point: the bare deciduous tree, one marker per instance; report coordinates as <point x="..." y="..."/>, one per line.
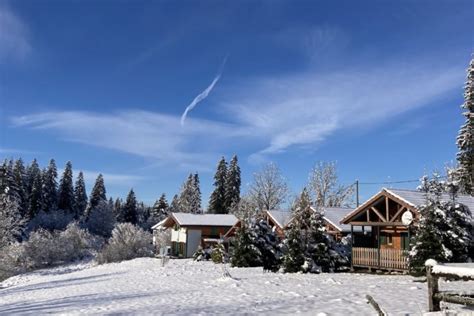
<point x="324" y="187"/>
<point x="269" y="189"/>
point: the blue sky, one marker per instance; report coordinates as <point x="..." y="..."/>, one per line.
<point x="375" y="86"/>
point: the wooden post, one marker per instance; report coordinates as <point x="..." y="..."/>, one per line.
<point x="378" y="246"/>
<point x="352" y="246"/>
<point x="432" y="280"/>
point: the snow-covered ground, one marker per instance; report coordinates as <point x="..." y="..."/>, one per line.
<point x="184" y="287"/>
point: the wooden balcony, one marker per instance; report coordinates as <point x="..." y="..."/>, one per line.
<point x="384" y="259"/>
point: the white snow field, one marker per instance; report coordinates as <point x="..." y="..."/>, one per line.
<point x="185" y="287"/>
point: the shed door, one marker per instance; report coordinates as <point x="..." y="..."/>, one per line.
<point x="193" y="242"/>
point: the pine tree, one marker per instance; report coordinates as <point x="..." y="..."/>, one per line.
<point x="33" y="188"/>
<point x="11" y="223"/>
<point x="244" y="251"/>
<point x="174" y="206"/>
<point x="101" y="220"/>
<point x="217" y="202"/>
<point x="19" y="173"/>
<point x="190" y="195"/>
<point x="267" y="243"/>
<point x="66" y="190"/>
<point x="49" y="190"/>
<point x="430" y="230"/>
<point x="118" y="208"/>
<point x="293" y="249"/>
<point x="159" y="210"/>
<point x="196" y="195"/>
<point x="130" y="212"/>
<point x="98" y="194"/>
<point x="80" y="197"/>
<point x="306" y="235"/>
<point x="465" y="140"/>
<point x="232" y="184"/>
<point x="35" y="197"/>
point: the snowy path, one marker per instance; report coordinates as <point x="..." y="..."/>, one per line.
<point x="185" y="287"/>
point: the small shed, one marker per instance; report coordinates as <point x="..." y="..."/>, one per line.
<point x="189" y="231"/>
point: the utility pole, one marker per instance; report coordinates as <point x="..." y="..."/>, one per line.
<point x="357" y="192"/>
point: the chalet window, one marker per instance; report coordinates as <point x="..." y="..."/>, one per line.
<point x="405" y="241"/>
<point x="214" y="231"/>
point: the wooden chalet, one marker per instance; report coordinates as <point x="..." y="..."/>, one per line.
<point x="332" y="218"/>
<point x="189" y="231"/>
<point x="278" y="220"/>
<point x="388" y="215"/>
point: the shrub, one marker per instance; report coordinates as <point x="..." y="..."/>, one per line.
<point x="127" y="242"/>
<point x="218" y="253"/>
<point x="12" y="261"/>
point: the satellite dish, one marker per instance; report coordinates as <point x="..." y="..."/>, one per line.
<point x="407" y="218"/>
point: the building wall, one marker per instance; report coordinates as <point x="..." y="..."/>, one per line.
<point x="193" y="242"/>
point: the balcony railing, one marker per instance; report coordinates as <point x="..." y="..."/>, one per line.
<point x="389" y="259"/>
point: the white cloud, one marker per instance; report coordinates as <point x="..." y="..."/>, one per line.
<point x="111" y="178"/>
<point x="141" y="133"/>
<point x="306" y="108"/>
<point x="14" y="42"/>
<point x="266" y="115"/>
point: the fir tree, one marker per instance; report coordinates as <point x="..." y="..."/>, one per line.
<point x="98" y="194"/>
<point x="118" y="207"/>
<point x="66" y="190"/>
<point x="159" y="210"/>
<point x="244" y="251"/>
<point x="174" y="206"/>
<point x="465" y="140"/>
<point x="430" y="230"/>
<point x="190" y="195"/>
<point x="35" y="197"/>
<point x="33" y="188"/>
<point x="267" y="242"/>
<point x="19" y="173"/>
<point x="196" y="195"/>
<point x="130" y="212"/>
<point x="49" y="190"/>
<point x="80" y="197"/>
<point x="293" y="249"/>
<point x="217" y="202"/>
<point x="101" y="220"/>
<point x="232" y="184"/>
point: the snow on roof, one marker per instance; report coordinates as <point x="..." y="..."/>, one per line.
<point x="281" y="218"/>
<point x="159" y="225"/>
<point x="417" y="198"/>
<point x="187" y="219"/>
<point x="334" y="215"/>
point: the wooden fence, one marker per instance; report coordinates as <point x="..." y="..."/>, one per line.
<point x="390" y="259"/>
<point x="435" y="296"/>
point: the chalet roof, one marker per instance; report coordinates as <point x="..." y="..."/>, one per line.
<point x="411" y="198"/>
<point x="417" y="198"/>
<point x="187" y="219"/>
<point x="281" y="218"/>
<point x="334" y="215"/>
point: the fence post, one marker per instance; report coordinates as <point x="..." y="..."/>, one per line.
<point x="432" y="280"/>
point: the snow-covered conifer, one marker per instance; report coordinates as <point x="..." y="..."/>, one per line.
<point x="465" y="139"/>
<point x="80" y="196"/>
<point x="49" y="191"/>
<point x="101" y="220"/>
<point x="217" y="202"/>
<point x="66" y="190"/>
<point x="130" y="209"/>
<point x="232" y="184"/>
<point x="98" y="194"/>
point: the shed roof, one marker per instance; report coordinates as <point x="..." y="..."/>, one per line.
<point x="188" y="219"/>
<point x="334" y="215"/>
<point x="281" y="218"/>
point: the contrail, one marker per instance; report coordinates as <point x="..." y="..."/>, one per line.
<point x="203" y="94"/>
